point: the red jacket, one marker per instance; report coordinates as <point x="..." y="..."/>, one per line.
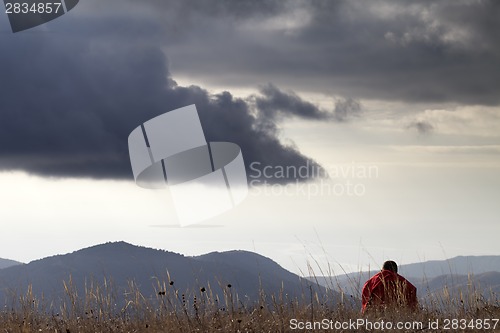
<point x="387" y="288"/>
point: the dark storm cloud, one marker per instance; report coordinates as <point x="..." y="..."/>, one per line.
<point x="275" y="103"/>
<point x="72" y="90"/>
<point x="242" y="9"/>
<point x="69" y="101"/>
<point x="431" y="51"/>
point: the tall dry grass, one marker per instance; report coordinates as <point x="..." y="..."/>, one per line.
<point x="172" y="310"/>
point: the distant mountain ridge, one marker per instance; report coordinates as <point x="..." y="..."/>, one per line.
<point x="461" y="265"/>
<point x="247" y="274"/>
<point x="431" y="276"/>
<point x="250" y="275"/>
<point x="485" y="283"/>
<point x="4" y="263"/>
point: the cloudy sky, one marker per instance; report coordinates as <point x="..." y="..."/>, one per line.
<point x="398" y="101"/>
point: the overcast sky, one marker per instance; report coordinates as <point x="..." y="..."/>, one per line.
<point x="397" y="101"/>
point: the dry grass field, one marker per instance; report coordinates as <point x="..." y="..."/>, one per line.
<point x="201" y="311"/>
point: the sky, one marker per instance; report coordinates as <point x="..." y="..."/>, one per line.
<point x="397" y="102"/>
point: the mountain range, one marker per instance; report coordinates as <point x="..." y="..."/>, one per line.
<point x="4" y="263"/>
<point x="246" y="275"/>
<point x="480" y="273"/>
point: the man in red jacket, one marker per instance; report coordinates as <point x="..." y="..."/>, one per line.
<point x="388" y="289"/>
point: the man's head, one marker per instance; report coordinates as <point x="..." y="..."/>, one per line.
<point x="390" y="266"/>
